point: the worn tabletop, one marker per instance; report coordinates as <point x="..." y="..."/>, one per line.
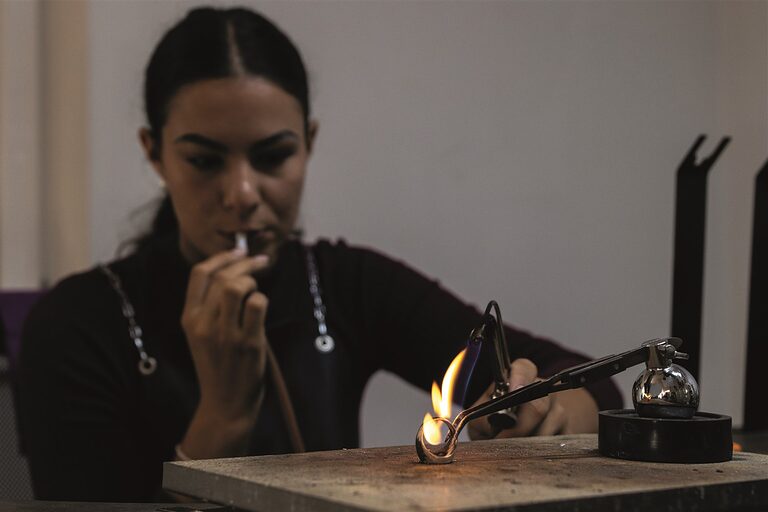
<point x="545" y="473"/>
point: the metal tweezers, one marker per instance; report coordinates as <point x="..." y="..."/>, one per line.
<point x="571" y="378"/>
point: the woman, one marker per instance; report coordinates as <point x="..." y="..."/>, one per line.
<point x="190" y="346"/>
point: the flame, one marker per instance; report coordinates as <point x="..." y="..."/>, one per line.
<point x="432" y="431"/>
<point x="442" y="401"/>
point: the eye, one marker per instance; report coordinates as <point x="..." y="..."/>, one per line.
<point x="270" y="160"/>
<point x="206" y="162"/>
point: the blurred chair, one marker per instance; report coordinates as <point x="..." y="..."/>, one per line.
<point x="14" y="475"/>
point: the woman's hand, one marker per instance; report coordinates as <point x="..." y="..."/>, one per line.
<point x="566" y="412"/>
<point x="223" y="320"/>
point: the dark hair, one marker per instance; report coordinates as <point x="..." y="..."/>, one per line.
<point x="214" y="43"/>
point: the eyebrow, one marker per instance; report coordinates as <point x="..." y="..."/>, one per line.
<point x="201" y="140"/>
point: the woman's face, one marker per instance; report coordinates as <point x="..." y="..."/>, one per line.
<point x="233" y="157"/>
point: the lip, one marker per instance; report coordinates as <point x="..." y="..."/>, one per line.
<point x="250" y="232"/>
<point x="258" y="238"/>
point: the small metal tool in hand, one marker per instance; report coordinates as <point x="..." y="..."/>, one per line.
<point x="505" y="418"/>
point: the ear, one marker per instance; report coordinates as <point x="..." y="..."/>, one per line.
<point x="312" y="128"/>
<point x="151" y="149"/>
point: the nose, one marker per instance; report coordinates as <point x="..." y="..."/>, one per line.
<point x="240" y="190"/>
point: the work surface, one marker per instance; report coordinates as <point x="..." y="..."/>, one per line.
<point x="545" y="473"/>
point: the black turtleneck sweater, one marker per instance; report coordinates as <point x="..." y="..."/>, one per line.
<point x="94" y="428"/>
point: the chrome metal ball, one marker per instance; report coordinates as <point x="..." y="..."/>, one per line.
<point x="668" y="392"/>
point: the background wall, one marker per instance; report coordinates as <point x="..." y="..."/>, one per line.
<point x="522" y="151"/>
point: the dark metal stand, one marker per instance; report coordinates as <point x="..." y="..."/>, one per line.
<point x="688" y="270"/>
<point x="755" y="410"/>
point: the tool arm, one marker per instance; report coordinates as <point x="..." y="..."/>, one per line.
<point x="571" y="378"/>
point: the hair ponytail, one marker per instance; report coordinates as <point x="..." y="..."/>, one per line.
<point x="163" y="224"/>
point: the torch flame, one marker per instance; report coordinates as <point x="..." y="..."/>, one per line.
<point x="442" y="401"/>
<point x="431" y="429"/>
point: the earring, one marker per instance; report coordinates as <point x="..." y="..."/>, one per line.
<point x="158" y="183"/>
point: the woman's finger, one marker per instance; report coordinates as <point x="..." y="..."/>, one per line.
<point x="200" y="275"/>
<point x="529" y="416"/>
<point x="522" y="372"/>
<point x="249" y="265"/>
<point x="232" y="301"/>
<point x="254" y="314"/>
<point x="554" y="422"/>
<point x="219" y="280"/>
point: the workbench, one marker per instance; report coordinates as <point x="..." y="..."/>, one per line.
<point x="531" y="474"/>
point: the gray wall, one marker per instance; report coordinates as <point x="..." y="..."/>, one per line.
<point x="522" y="151"/>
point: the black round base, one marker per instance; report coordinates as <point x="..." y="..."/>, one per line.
<point x="704" y="438"/>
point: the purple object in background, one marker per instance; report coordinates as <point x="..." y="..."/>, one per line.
<point x="14" y="308"/>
